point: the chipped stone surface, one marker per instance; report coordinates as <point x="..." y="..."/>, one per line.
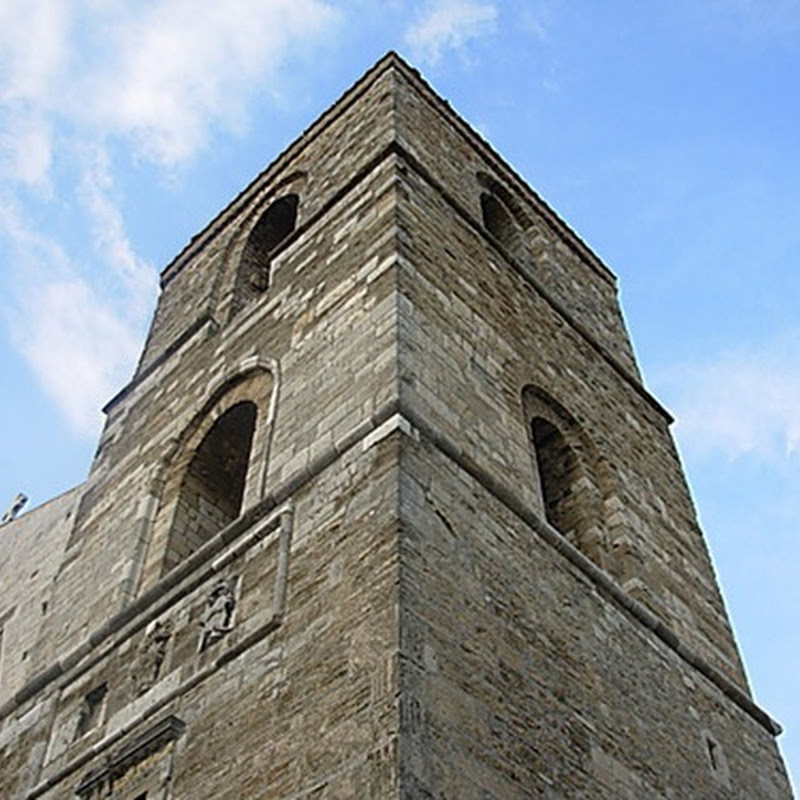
<point x="458" y="558"/>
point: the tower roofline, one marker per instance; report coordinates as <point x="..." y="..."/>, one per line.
<point x="502" y="165"/>
<point x="391" y="61"/>
<point x="286" y="160"/>
<point x="324" y="120"/>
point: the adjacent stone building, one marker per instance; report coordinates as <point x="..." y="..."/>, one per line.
<point x="384" y="512"/>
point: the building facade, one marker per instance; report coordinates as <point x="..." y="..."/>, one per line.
<point x="385" y="511"/>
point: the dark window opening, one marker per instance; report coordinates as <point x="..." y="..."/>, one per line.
<point x="275" y="225"/>
<point x="712" y="753"/>
<point x="499" y="222"/>
<point x="91" y="710"/>
<point x="559" y="471"/>
<point x="213" y="486"/>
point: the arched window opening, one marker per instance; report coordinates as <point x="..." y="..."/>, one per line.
<point x="499" y="222"/>
<point x="211" y="492"/>
<point x="559" y="472"/>
<point x="275" y="225"/>
<point x="570" y="478"/>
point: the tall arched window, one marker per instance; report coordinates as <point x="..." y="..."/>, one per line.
<point x="558" y="473"/>
<point x="497" y="219"/>
<point x="211" y="471"/>
<point x="274" y="226"/>
<point x="212" y="488"/>
<point x="568" y="474"/>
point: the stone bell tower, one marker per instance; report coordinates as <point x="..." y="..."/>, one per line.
<point x="385" y="511"/>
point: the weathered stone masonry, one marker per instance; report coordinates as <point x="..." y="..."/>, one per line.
<point x="385" y="511"/>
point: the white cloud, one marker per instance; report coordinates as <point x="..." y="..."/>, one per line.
<point x="449" y="24"/>
<point x="174" y="69"/>
<point x="744" y="403"/>
<point x="137" y="278"/>
<point x="78" y="78"/>
<point x="160" y="73"/>
<point x="78" y="347"/>
<point x="33" y="55"/>
<point x="78" y="343"/>
<point x="34" y="48"/>
<point x="26" y="149"/>
<point x="33" y="253"/>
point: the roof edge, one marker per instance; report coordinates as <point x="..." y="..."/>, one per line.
<point x="392" y="60"/>
<point x="502" y="164"/>
<point x="389" y="61"/>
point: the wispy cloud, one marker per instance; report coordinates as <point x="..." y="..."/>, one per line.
<point x="78" y="340"/>
<point x="743" y="403"/>
<point x="34" y="47"/>
<point x="449" y="25"/>
<point x="154" y="80"/>
<point x="160" y="72"/>
<point x="79" y="348"/>
<point x="536" y="19"/>
<point x="171" y="72"/>
<point x="26" y="149"/>
<point x="33" y="55"/>
<point x="135" y="277"/>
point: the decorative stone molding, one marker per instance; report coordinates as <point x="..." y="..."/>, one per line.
<point x="157" y="738"/>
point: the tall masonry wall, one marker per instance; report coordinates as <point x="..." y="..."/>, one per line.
<point x="234" y="721"/>
<point x="479" y="330"/>
<point x="521" y="677"/>
<point x="122" y="696"/>
<point x="323" y="334"/>
<point x="518" y="670"/>
<point x="384" y="512"/>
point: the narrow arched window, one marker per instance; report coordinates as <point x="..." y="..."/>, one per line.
<point x="568" y="474"/>
<point x="275" y="225"/>
<point x="558" y="472"/>
<point x="499" y="222"/>
<point x="212" y="488"/>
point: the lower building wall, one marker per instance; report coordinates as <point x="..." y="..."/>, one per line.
<point x="268" y="671"/>
<point x="521" y="678"/>
<point x="392" y="629"/>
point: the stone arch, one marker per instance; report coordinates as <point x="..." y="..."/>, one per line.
<point x="503" y="217"/>
<point x="568" y="474"/>
<point x="214" y="470"/>
<point x="559" y="470"/>
<point x="275" y="225"/>
<point x="262" y="234"/>
<point x="211" y="490"/>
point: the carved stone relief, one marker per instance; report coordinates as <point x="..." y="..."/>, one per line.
<point x="217" y="620"/>
<point x="149" y="661"/>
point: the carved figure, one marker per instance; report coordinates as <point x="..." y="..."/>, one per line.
<point x="151" y="656"/>
<point x="218" y="615"/>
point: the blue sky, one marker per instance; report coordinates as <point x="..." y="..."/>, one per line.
<point x="665" y="133"/>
